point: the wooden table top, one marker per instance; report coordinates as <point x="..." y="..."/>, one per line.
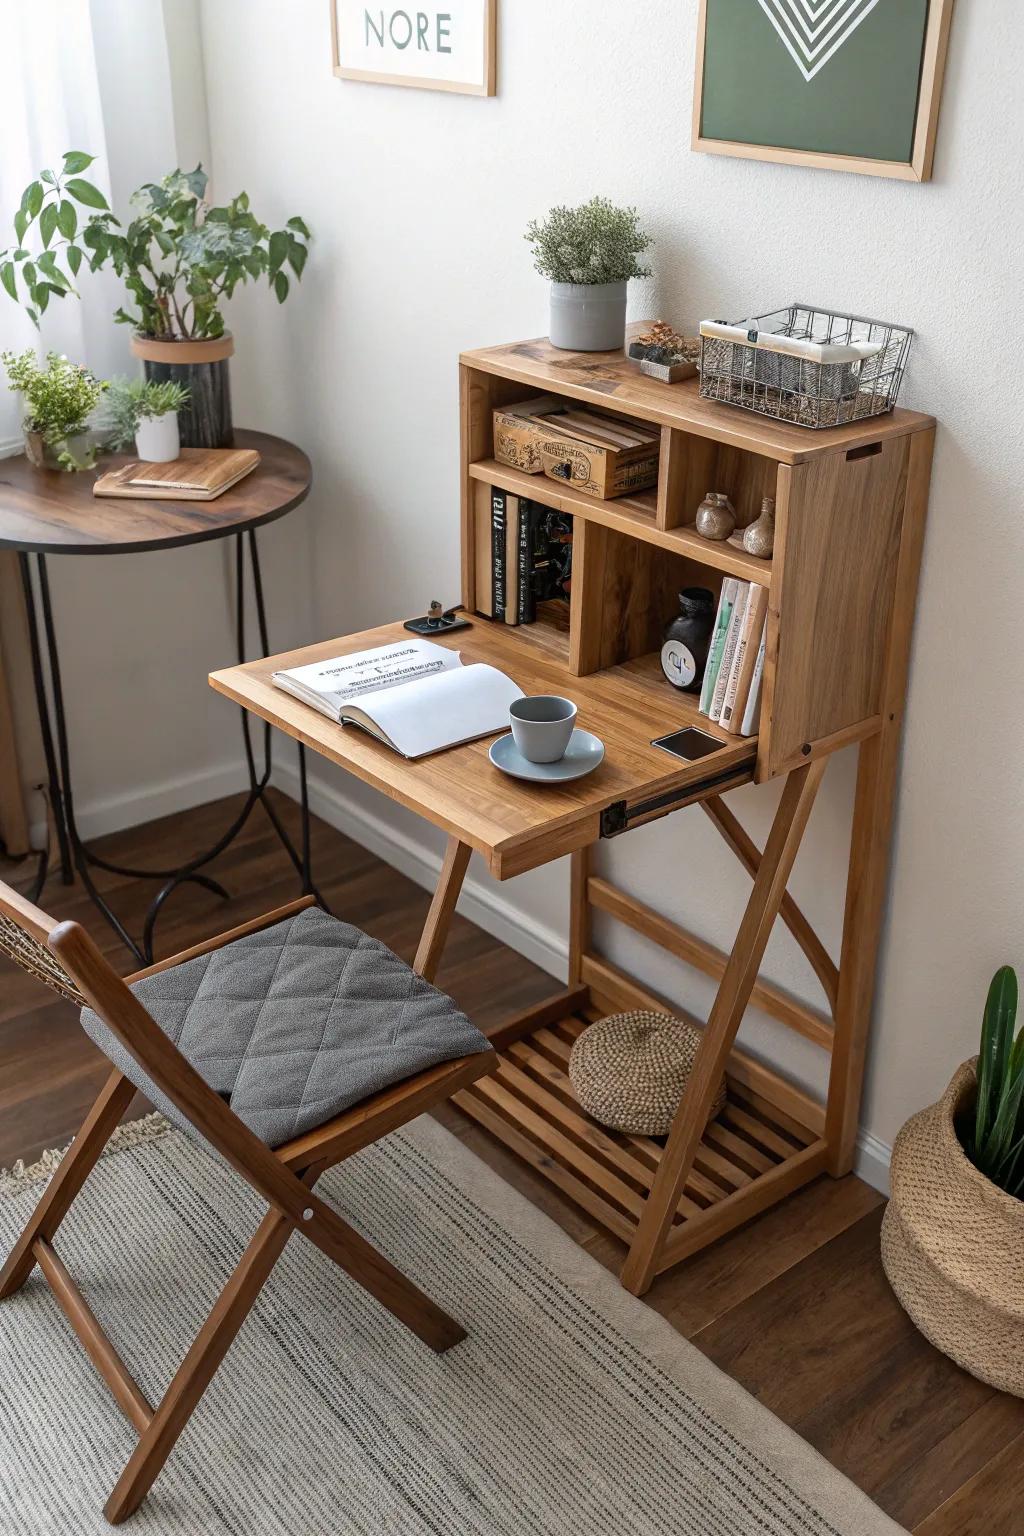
<point x="515" y="825"/>
<point x="50" y="512"/>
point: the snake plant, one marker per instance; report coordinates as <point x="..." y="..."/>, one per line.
<point x="995" y="1144"/>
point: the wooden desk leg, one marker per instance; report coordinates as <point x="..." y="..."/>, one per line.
<point x="442" y="909"/>
<point x="733" y="995"/>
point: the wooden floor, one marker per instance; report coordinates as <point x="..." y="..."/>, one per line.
<point x="795" y="1306"/>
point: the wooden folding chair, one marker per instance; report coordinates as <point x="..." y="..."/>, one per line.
<point x="64" y="957"/>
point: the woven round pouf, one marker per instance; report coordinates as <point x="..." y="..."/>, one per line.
<point x="629" y="1071"/>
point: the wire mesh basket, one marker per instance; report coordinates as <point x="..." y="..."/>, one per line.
<point x="753" y="375"/>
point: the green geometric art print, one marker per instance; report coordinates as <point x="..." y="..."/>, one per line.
<point x="819" y="77"/>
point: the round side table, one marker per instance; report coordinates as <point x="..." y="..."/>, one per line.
<point x="47" y="512"/>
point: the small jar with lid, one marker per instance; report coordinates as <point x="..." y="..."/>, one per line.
<point x="684" y="651"/>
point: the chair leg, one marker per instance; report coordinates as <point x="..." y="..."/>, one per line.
<point x="81" y="1158"/>
<point x="369" y="1268"/>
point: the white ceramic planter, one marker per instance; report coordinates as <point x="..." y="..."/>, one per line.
<point x="156" y="440"/>
<point x="588" y="317"/>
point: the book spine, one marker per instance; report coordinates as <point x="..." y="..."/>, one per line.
<point x="513" y="517"/>
<point x="729" y="651"/>
<point x="499" y="510"/>
<point x="752" y="713"/>
<point x="527" y="607"/>
<point x="724" y="614"/>
<point x="746" y="657"/>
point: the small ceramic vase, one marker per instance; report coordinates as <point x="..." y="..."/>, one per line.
<point x="716" y="516"/>
<point x="684" y="653"/>
<point x="759" y="538"/>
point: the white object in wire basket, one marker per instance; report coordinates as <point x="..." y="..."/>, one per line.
<point x="792" y="346"/>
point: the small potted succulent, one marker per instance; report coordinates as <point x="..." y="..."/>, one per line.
<point x="589" y="253"/>
<point x="59" y="398"/>
<point x="145" y="411"/>
<point x="953" y="1232"/>
<point x="178" y="257"/>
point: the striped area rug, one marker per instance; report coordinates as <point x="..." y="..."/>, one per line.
<point x="571" y="1410"/>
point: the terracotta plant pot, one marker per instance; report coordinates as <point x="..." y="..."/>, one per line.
<point x="202" y="367"/>
<point x="952" y="1244"/>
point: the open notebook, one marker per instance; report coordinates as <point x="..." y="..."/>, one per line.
<point x="415" y="696"/>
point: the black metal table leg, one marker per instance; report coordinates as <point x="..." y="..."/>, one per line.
<point x="75" y="856"/>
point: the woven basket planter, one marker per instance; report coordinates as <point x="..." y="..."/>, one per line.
<point x="629" y="1070"/>
<point x="953" y="1245"/>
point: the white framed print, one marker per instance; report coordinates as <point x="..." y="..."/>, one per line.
<point x="447" y="46"/>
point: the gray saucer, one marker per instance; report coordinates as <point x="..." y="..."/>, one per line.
<point x="582" y="756"/>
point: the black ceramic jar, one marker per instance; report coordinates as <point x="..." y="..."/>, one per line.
<point x="684" y="651"/>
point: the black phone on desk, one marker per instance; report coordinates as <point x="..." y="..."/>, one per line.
<point x="689" y="744"/>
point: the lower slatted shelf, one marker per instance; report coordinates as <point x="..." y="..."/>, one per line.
<point x="530" y="1106"/>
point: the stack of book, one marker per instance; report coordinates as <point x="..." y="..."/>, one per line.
<point x="731" y="692"/>
<point x="523" y="557"/>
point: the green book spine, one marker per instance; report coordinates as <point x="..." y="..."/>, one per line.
<point x="725" y="607"/>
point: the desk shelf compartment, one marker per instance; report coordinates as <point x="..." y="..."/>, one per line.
<point x="530" y="1106"/>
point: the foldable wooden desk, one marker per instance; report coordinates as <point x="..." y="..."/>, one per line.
<point x="850" y="515"/>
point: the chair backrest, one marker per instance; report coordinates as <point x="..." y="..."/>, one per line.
<point x="24" y="930"/>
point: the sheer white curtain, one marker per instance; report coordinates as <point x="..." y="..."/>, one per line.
<point x="51" y="102"/>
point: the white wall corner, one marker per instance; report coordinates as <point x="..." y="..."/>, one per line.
<point x="872" y="1164"/>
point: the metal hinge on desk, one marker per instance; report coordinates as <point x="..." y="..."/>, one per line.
<point x="620" y="817"/>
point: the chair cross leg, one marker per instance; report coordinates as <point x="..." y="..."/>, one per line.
<point x="713" y="1053"/>
<point x="362" y="1263"/>
<point x="76" y="1166"/>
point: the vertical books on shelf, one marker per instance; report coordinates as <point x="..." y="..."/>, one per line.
<point x="523" y="556"/>
<point x="731" y="691"/>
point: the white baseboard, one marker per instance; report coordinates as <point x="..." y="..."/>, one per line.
<point x="873" y="1159"/>
<point x="483" y="902"/>
<point x="95" y="818"/>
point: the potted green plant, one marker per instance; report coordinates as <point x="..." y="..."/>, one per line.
<point x="59" y="397"/>
<point x="953" y="1231"/>
<point x="589" y="253"/>
<point x="145" y="412"/>
<point x="179" y="258"/>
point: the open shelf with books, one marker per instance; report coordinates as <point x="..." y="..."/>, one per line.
<point x="816" y="642"/>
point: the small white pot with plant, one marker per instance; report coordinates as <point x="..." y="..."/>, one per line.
<point x="953" y="1233"/>
<point x="589" y="253"/>
<point x="146" y="412"/>
<point x="59" y="397"/>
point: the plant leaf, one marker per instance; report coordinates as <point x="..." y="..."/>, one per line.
<point x="84" y="192"/>
<point x="299" y="228"/>
<point x="8" y="279"/>
<point x="297" y="254"/>
<point x="281" y="287"/>
<point x="48" y="177"/>
<point x="1002" y="1135"/>
<point x="48" y="223"/>
<point x="74" y="256"/>
<point x="67" y="219"/>
<point x="20" y="224"/>
<point x="278" y="251"/>
<point x="32" y="199"/>
<point x="76" y="160"/>
<point x="996" y="1041"/>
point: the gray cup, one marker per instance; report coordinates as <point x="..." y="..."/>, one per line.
<point x="542" y="726"/>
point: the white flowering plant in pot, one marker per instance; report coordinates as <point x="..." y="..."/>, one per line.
<point x="590" y="254"/>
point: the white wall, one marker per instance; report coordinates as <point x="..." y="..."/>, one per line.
<point x="418" y="202"/>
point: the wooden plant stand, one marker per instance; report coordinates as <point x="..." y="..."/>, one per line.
<point x="851" y="506"/>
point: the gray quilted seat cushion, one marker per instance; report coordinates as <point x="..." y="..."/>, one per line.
<point x="296" y="1023"/>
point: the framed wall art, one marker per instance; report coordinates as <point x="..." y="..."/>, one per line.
<point x="451" y="46"/>
<point x="849" y="85"/>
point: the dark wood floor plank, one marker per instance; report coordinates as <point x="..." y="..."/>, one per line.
<point x="990" y="1504"/>
<point x="795" y="1306"/>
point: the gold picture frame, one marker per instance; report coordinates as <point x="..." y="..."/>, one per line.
<point x="917" y="168"/>
<point x="486" y="86"/>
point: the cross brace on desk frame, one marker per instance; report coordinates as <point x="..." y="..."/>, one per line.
<point x="667" y="1201"/>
